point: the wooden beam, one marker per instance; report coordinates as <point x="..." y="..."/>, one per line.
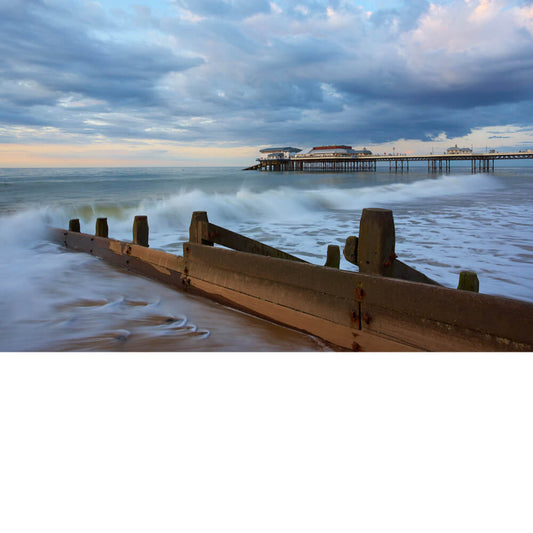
<point x="369" y="309"/>
<point x="236" y="241"/>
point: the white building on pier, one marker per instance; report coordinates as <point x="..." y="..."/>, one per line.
<point x="455" y="150"/>
<point x="278" y="153"/>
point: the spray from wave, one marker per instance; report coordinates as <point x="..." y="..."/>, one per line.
<point x="287" y="204"/>
<point x="282" y="204"/>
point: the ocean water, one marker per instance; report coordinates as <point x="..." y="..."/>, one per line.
<point x="55" y="300"/>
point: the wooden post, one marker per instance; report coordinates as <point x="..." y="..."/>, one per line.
<point x="350" y="249"/>
<point x="334" y="256"/>
<point x="375" y="250"/>
<point x="74" y="225"/>
<point x="199" y="228"/>
<point x="140" y="230"/>
<point x="101" y="227"/>
<point x="468" y="281"/>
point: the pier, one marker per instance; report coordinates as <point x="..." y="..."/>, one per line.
<point x="479" y="162"/>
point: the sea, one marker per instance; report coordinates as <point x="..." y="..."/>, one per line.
<point x="57" y="300"/>
<point x="126" y="405"/>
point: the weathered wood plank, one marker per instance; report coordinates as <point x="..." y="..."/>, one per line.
<point x="155" y="264"/>
<point x="333" y="333"/>
<point x="414" y="314"/>
<point x="239" y="242"/>
<point x="201" y="231"/>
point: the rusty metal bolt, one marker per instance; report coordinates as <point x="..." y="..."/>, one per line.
<point x="388" y="262"/>
<point x="367" y="318"/>
<point x="359" y="293"/>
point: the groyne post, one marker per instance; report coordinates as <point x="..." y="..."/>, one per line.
<point x="375" y="248"/>
<point x="468" y="281"/>
<point x="199" y="228"/>
<point x="102" y="229"/>
<point x="74" y="225"/>
<point x="140" y="230"/>
<point x="333" y="259"/>
<point x="350" y="249"/>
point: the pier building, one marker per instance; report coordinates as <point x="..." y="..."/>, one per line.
<point x="278" y="153"/>
<point x="455" y="150"/>
<point x="335" y="150"/>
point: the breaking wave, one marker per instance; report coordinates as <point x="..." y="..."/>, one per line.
<point x="282" y="204"/>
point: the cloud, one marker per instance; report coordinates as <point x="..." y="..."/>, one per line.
<point x="264" y="72"/>
<point x="235" y="9"/>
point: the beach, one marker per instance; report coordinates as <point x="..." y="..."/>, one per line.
<point x="57" y="300"/>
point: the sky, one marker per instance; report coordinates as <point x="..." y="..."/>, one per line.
<point x="210" y="82"/>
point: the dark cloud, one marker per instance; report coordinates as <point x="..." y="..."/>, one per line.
<point x="260" y="71"/>
<point x="51" y="54"/>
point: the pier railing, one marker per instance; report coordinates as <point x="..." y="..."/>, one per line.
<point x="381" y="307"/>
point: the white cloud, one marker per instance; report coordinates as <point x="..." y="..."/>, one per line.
<point x="274" y="8"/>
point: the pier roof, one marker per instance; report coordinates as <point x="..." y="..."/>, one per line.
<point x="337" y="149"/>
<point x="285" y="149"/>
<point x="333" y="147"/>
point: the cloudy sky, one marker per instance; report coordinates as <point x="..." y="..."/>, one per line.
<point x="188" y="82"/>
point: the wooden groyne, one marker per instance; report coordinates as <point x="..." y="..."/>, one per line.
<point x="386" y="306"/>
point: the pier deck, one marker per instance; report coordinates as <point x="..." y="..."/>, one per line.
<point x="479" y="162"/>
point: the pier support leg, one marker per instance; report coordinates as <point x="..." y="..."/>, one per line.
<point x="375" y="250"/>
<point x="140" y="230"/>
<point x="102" y="229"/>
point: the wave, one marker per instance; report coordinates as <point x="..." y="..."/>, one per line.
<point x="282" y="204"/>
<point x="290" y="204"/>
